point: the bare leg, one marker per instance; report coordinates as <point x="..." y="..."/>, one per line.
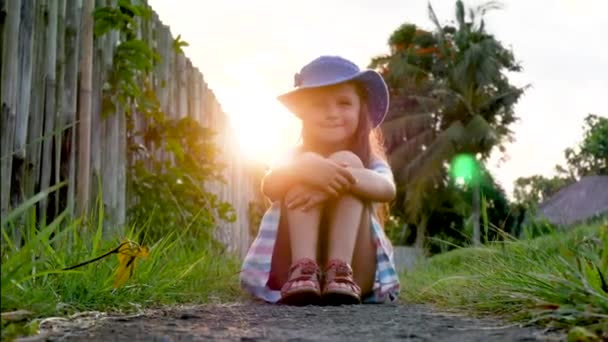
<point x="364" y="256"/>
<point x="303" y="232"/>
<point x="302" y="284"/>
<point x="350" y="237"/>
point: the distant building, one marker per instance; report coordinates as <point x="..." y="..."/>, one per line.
<point x="577" y="202"/>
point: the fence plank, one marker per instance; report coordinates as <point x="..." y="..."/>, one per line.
<point x="100" y="44"/>
<point x="49" y="101"/>
<point x="181" y="79"/>
<point x="24" y="82"/>
<point x="59" y="98"/>
<point x="109" y="138"/>
<point x="72" y="45"/>
<point x="36" y="114"/>
<point x="84" y="109"/>
<point x="26" y="42"/>
<point x="8" y="98"/>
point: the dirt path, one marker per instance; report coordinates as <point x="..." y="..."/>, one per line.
<point x="260" y="322"/>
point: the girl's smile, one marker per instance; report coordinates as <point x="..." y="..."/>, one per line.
<point x="330" y="115"/>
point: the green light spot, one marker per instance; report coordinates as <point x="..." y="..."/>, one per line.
<point x="464" y="169"/>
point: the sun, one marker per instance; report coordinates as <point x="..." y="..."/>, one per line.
<point x="263" y="127"/>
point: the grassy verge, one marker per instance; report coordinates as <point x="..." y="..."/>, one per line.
<point x="177" y="270"/>
<point x="553" y="279"/>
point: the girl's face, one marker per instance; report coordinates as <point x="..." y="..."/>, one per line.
<point x="330" y="115"/>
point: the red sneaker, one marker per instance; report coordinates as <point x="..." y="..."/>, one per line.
<point x="339" y="287"/>
<point x="302" y="286"/>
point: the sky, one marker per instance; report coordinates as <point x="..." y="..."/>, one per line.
<point x="248" y="52"/>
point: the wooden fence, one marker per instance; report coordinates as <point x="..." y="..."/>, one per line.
<point x="53" y="131"/>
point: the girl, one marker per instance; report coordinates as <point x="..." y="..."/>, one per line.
<point x="325" y="196"/>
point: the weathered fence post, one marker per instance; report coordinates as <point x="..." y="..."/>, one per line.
<point x="8" y="98"/>
<point x="72" y="44"/>
<point x="84" y="109"/>
<point x="49" y="102"/>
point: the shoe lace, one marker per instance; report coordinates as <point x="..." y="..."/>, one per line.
<point x="341" y="269"/>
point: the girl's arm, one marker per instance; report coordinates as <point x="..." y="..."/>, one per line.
<point x="280" y="177"/>
<point x="376" y="184"/>
<point x="276" y="182"/>
<point x="307" y="168"/>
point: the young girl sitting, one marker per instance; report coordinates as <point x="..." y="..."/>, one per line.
<point x="325" y="196"/>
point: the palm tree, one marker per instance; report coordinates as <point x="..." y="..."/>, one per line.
<point x="449" y="96"/>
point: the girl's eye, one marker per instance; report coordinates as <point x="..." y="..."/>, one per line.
<point x="344" y="103"/>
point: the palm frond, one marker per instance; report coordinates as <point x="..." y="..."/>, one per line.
<point x="379" y="61"/>
<point x="479" y="133"/>
<point x="405" y="126"/>
<point x="402" y="69"/>
<point x="430" y="162"/>
<point x="460" y="19"/>
<point x="409" y="150"/>
<point x="443" y="47"/>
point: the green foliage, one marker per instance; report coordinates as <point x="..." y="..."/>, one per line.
<point x="121" y="18"/>
<point x="133" y="59"/>
<point x="450" y="96"/>
<point x="171" y="191"/>
<point x="560" y="278"/>
<point x="178" y="44"/>
<point x="591" y="157"/>
<point x="533" y="190"/>
<point x="170" y="160"/>
<point x="178" y="269"/>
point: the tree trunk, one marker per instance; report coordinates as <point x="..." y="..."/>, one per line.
<point x="476" y="214"/>
<point x="59" y="101"/>
<point x="421" y="232"/>
<point x="84" y="109"/>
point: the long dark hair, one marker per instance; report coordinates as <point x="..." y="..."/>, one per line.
<point x="367" y="141"/>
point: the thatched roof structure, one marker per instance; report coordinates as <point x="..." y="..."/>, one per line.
<point x="577" y="202"/>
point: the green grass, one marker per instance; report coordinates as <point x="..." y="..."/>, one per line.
<point x="553" y="279"/>
<point x="177" y="270"/>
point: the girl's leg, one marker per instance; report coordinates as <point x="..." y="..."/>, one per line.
<point x="350" y="238"/>
<point x="303" y="228"/>
<point x="301" y="279"/>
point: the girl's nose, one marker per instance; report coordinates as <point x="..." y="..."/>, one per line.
<point x="331" y="112"/>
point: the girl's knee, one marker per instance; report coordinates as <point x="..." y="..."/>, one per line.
<point x="291" y="193"/>
<point x="348" y="158"/>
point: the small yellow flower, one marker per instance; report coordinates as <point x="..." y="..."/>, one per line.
<point x="127" y="253"/>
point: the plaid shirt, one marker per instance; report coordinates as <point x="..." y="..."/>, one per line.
<point x="255" y="270"/>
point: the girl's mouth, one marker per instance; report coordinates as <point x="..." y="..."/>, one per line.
<point x="330" y="125"/>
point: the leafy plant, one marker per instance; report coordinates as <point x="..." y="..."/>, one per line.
<point x="178" y="43"/>
<point x="171" y="160"/>
<point x="171" y="192"/>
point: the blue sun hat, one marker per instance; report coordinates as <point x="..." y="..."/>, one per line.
<point x="330" y="70"/>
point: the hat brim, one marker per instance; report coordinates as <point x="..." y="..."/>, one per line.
<point x="372" y="82"/>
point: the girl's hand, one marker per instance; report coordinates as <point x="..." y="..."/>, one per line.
<point x="305" y="197"/>
<point x="324" y="174"/>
